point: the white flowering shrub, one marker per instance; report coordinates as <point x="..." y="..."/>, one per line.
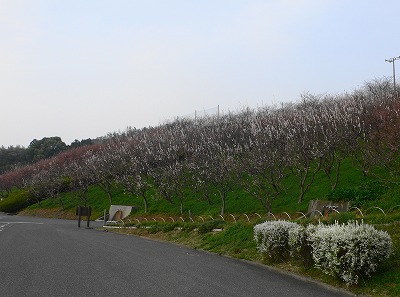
<point x="348" y="251"/>
<point x="300" y="244"/>
<point x="296" y="238"/>
<point x="273" y="241"/>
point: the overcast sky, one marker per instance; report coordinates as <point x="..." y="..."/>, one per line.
<point x="80" y="69"/>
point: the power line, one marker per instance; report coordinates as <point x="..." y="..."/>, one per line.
<point x="391" y="60"/>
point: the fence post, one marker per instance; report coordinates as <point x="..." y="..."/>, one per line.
<point x="89" y="212"/>
<point x="79" y="216"/>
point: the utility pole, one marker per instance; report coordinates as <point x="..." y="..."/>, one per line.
<point x="391" y="60"/>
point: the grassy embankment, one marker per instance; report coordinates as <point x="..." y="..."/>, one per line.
<point x="236" y="239"/>
<point x="238" y="201"/>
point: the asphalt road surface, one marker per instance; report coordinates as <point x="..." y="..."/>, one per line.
<point x="44" y="257"/>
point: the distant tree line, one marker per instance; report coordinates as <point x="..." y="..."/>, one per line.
<point x="44" y="148"/>
<point x="253" y="149"/>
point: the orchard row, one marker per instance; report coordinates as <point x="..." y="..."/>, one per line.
<point x="256" y="149"/>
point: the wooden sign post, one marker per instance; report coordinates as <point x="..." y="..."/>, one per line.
<point x="83" y="211"/>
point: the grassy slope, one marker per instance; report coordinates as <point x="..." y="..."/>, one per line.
<point x="237" y="239"/>
<point x="238" y="201"/>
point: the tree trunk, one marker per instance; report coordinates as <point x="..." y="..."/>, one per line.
<point x="207" y="196"/>
<point x="146" y="205"/>
<point x="303" y="178"/>
<point x="334" y="185"/>
<point x="269" y="206"/>
<point x="301" y="196"/>
<point x="106" y="187"/>
<point x="223" y="202"/>
<point x="109" y="196"/>
<point x="304" y="186"/>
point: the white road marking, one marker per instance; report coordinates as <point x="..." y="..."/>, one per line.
<point x="22" y="223"/>
<point x="5" y="225"/>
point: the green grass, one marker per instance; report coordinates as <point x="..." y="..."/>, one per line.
<point x="236" y="239"/>
<point x="238" y="201"/>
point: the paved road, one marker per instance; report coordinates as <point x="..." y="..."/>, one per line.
<point x="43" y="257"/>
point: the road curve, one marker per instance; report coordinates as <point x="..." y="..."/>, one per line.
<point x="45" y="257"/>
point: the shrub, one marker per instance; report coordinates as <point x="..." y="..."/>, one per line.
<point x="188" y="227"/>
<point x="15" y="202"/>
<point x="349" y="251"/>
<point x="272" y="238"/>
<point x="369" y="191"/>
<point x="210" y="225"/>
<point x="343" y="194"/>
<point x="153" y="229"/>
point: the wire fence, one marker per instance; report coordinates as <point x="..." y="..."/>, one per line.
<point x="210" y="112"/>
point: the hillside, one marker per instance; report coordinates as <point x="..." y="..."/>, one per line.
<point x="273" y="159"/>
<point x="233" y="171"/>
<point x="367" y="192"/>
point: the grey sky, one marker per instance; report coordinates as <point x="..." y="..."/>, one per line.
<point x="79" y="69"/>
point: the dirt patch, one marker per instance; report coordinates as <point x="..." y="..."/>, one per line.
<point x="53" y="213"/>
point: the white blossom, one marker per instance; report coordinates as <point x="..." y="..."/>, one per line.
<point x="349" y="251"/>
